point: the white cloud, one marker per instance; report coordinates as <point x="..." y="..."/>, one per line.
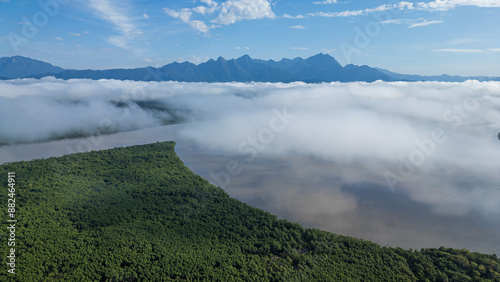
<point x="185" y="16"/>
<point x="200" y="10"/>
<point x="113" y="12"/>
<point x="233" y="11"/>
<point x="394" y="21"/>
<point x="299" y="48"/>
<point x="210" y="3"/>
<point x="455" y="50"/>
<point x="437" y="5"/>
<point x="146" y="16"/>
<point x="444" y="5"/>
<point x="403" y="5"/>
<point x="241" y="48"/>
<point x="463" y="50"/>
<point x="227" y="13"/>
<point x="353" y="13"/>
<point x="380" y="8"/>
<point x="366" y="129"/>
<point x="287" y="16"/>
<point x="212" y="7"/>
<point x="326" y="2"/>
<point x="58" y="38"/>
<point x="74" y="34"/>
<point x="298" y="27"/>
<point x="372" y="126"/>
<point x="199" y="25"/>
<point x="424" y="23"/>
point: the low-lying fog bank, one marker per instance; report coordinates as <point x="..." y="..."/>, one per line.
<point x="393" y="162"/>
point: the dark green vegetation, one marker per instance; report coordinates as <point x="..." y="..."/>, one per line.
<point x="138" y="213"/>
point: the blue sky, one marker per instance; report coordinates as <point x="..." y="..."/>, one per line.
<point x="459" y="37"/>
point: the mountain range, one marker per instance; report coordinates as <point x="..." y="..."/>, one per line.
<point x="315" y="69"/>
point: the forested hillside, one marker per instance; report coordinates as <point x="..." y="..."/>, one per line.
<point x="138" y="213"/>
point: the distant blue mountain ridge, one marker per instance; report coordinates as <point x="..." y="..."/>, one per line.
<point x="315" y="69"/>
<point x="19" y="67"/>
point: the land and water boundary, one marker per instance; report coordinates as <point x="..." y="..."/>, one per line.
<point x="137" y="213"/>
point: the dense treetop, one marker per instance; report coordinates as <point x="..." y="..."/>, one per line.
<point x="138" y="213"/>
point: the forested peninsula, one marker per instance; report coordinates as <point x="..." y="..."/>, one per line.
<point x="138" y="214"/>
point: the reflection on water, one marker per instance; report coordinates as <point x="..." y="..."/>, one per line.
<point x="315" y="193"/>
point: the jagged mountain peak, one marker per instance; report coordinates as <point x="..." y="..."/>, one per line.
<point x="324" y="60"/>
<point x="244" y="58"/>
<point x="19" y="67"/>
<point x="318" y="68"/>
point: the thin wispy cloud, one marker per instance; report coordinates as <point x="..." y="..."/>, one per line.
<point x="456" y="50"/>
<point x="392" y="21"/>
<point x="425" y="23"/>
<point x="469" y="50"/>
<point x="440" y="5"/>
<point x="297" y="27"/>
<point x="112" y="12"/>
<point x="437" y="5"/>
<point x="299" y="48"/>
<point x="326" y="2"/>
<point x="352" y="13"/>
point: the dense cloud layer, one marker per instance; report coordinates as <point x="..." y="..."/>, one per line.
<point x="432" y="143"/>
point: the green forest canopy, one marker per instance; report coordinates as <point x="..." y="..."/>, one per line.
<point x="138" y="213"/>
